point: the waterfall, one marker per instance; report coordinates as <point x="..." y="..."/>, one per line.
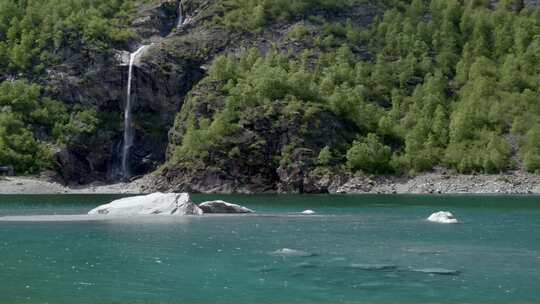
<point x="180" y="16"/>
<point x="128" y="131"/>
<point x="128" y="128"/>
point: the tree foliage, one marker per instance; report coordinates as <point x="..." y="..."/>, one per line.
<point x="448" y="82"/>
<point x="34" y="34"/>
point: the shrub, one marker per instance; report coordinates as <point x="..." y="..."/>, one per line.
<point x="369" y="155"/>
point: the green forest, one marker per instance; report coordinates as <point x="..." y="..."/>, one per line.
<point x="446" y="84"/>
<point x="430" y="83"/>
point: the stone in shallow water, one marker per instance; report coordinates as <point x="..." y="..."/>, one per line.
<point x="374" y="267"/>
<point x="220" y="207"/>
<point x="152" y="204"/>
<point x="439" y="271"/>
<point x="443" y="217"/>
<point x="287" y="252"/>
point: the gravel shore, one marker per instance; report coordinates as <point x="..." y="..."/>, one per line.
<point x="436" y="183"/>
<point x="31" y="185"/>
<point x="431" y="183"/>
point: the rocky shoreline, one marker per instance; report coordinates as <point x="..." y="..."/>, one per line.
<point x="430" y="183"/>
<point x="437" y="183"/>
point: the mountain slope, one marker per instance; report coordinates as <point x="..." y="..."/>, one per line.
<point x="433" y="84"/>
<point x="274" y="95"/>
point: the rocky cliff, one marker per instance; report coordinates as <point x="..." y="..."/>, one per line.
<point x="173" y="64"/>
<point x="162" y="77"/>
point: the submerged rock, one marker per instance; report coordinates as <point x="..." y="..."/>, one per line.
<point x="287" y="252"/>
<point x="152" y="204"/>
<point x="221" y="207"/>
<point x="443" y="217"/>
<point x="374" y="267"/>
<point x="439" y="271"/>
<point x="308" y="212"/>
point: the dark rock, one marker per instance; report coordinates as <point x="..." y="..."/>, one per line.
<point x="156" y="20"/>
<point x="292" y="175"/>
<point x="222" y="207"/>
<point x="7" y="171"/>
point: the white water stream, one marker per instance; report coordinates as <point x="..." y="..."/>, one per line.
<point x="180" y="18"/>
<point x="128" y="130"/>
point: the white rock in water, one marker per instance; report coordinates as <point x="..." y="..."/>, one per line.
<point x="223" y="207"/>
<point x="152" y="204"/>
<point x="308" y="212"/>
<point x="443" y="217"/>
<point x="286" y="252"/>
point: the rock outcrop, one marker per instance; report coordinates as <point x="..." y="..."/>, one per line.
<point x="152" y="204"/>
<point x="443" y="217"/>
<point x="253" y="167"/>
<point x="222" y="207"/>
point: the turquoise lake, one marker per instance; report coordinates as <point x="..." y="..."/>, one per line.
<point x="362" y="249"/>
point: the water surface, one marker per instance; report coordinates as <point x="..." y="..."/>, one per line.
<point x="358" y="249"/>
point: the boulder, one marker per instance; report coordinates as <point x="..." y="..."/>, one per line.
<point x="223" y="207"/>
<point x="443" y="217"/>
<point x="152" y="204"/>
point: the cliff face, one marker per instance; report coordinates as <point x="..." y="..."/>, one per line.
<point x="162" y="77"/>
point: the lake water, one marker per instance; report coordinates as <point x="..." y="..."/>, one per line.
<point x="360" y="249"/>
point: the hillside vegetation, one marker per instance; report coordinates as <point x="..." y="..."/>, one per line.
<point x="443" y="84"/>
<point x="389" y="87"/>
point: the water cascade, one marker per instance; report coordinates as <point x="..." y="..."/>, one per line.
<point x="128" y="131"/>
<point x="180" y="15"/>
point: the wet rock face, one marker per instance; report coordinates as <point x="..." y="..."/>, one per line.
<point x="160" y="85"/>
<point x="156" y="19"/>
<point x="157" y="96"/>
<point x="161" y="79"/>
